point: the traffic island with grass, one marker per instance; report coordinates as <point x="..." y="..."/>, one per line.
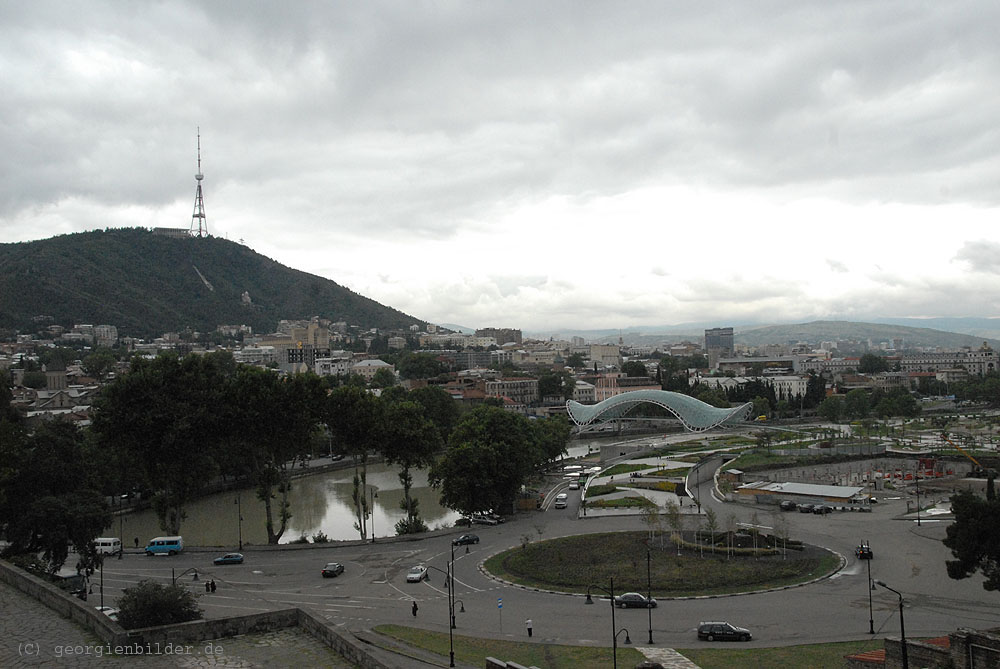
<point x="571" y="564"/>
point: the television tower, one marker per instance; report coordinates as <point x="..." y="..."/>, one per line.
<point x="199" y="226"/>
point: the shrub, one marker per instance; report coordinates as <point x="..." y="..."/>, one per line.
<point x="320" y="538"/>
<point x="149" y="604"/>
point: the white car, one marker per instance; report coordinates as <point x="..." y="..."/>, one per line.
<point x="416" y="574"/>
<point x="109" y="611"/>
<point x="561" y="501"/>
<point x="574" y="485"/>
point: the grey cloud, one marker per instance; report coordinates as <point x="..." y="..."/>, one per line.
<point x="981" y="255"/>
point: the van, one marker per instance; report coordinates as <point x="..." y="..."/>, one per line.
<point x="560" y="501"/>
<point x="108" y="545"/>
<point x="168" y="545"/>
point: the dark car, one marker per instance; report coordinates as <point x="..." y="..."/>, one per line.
<point x="722" y="631"/>
<point x="634" y="600"/>
<point x="864" y="552"/>
<point x="787" y="505"/>
<point x="805" y="508"/>
<point x="465" y="539"/>
<point x="229" y="558"/>
<point x="332" y="569"/>
<point x="822" y="508"/>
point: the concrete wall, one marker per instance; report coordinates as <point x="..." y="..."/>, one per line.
<point x="972" y="649"/>
<point x="81" y="612"/>
<point x="189" y="633"/>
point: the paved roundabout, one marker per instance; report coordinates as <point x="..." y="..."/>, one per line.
<point x="374" y="590"/>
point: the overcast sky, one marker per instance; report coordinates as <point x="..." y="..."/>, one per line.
<point x="539" y="165"/>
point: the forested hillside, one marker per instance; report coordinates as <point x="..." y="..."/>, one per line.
<point x="146" y="284"/>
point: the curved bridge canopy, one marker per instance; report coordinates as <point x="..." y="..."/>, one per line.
<point x="695" y="415"/>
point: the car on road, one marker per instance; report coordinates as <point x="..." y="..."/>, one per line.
<point x="634" y="600"/>
<point x="465" y="539"/>
<point x="574" y="485"/>
<point x="109" y="611"/>
<point x="806" y="508"/>
<point x="864" y="552"/>
<point x="822" y="508"/>
<point x="722" y="631"/>
<point x="229" y="558"/>
<point x="416" y="574"/>
<point x="333" y="569"/>
<point x="561" y="500"/>
<point x="787" y="505"/>
<point x="483" y="519"/>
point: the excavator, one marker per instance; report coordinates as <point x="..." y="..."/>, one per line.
<point x="980" y="472"/>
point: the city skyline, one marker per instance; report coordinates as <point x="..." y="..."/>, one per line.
<point x="571" y="165"/>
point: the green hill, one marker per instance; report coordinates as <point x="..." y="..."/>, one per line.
<point x="147" y="284"/>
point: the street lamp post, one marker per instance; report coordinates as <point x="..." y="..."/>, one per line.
<point x="239" y="520"/>
<point x="902" y="628"/>
<point x="374" y="495"/>
<point x="871" y="586"/>
<point x="916" y="478"/>
<point x="614" y="632"/>
<point x="649" y="596"/>
<point x="451" y="611"/>
<point x="121" y="530"/>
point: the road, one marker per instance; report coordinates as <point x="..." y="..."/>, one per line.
<point x="373" y="589"/>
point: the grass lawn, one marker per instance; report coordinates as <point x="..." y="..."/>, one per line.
<point x="472" y="650"/>
<point x="570" y="564"/>
<point x="816" y="656"/>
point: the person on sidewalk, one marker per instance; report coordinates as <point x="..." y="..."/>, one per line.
<point x="527" y="624"/>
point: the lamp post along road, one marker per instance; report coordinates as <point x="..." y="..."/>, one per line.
<point x="902" y="628"/>
<point x="448" y="581"/>
<point x="614" y="629"/>
<point x="649" y="597"/>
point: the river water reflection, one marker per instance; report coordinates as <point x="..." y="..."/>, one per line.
<point x="319" y="503"/>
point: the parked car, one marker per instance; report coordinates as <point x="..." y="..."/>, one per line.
<point x="416" y="574"/>
<point x="484" y="519"/>
<point x="822" y="508"/>
<point x="864" y="552"/>
<point x="805" y="508"/>
<point x="465" y="539"/>
<point x="110" y="612"/>
<point x="722" y="631"/>
<point x="634" y="600"/>
<point x="229" y="558"/>
<point x="463" y="522"/>
<point x="333" y="569"/>
<point x="787" y="505"/>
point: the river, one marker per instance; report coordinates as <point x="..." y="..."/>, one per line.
<point x="319" y="502"/>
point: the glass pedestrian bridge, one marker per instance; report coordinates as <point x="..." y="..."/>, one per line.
<point x="694" y="415"/>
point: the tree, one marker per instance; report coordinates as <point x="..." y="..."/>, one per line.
<point x="150" y="604"/>
<point x="98" y="363"/>
<point x="274" y="418"/>
<point x="551" y="437"/>
<point x="711" y="523"/>
<point x="165" y="412"/>
<point x="439" y="407"/>
<point x="383" y="378"/>
<point x="973" y="539"/>
<point x="419" y="366"/>
<point x="856" y="404"/>
<point x="490" y="454"/>
<point x="869" y="363"/>
<point x="634" y="368"/>
<point x="575" y="360"/>
<point x="676" y="522"/>
<point x="832" y="408"/>
<point x="409" y="439"/>
<point x="353" y="416"/>
<point x="48" y="494"/>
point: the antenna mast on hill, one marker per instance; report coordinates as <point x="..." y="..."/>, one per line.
<point x="199" y="226"/>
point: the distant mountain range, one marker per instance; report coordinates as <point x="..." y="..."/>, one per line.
<point x="147" y="284"/>
<point x="975" y="332"/>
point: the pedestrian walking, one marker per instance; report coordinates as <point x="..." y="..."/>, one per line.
<point x="414" y="608"/>
<point x="527" y="624"/>
<point x="212" y="584"/>
<point x="208" y="586"/>
<point x="137" y="542"/>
